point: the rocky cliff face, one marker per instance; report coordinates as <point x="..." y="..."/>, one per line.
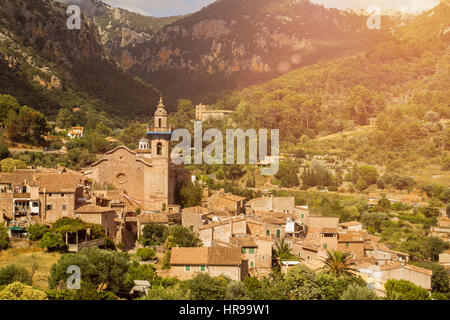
<point x="234" y="43"/>
<point x="118" y="27"/>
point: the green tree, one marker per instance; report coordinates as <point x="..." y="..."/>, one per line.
<point x="65" y="119"/>
<point x="368" y="173"/>
<point x="145" y="254"/>
<point x="141" y="272"/>
<point x="181" y="236"/>
<point x="287" y="174"/>
<point x="332" y="287"/>
<point x="355" y="292"/>
<point x="282" y="250"/>
<point x="27" y="126"/>
<point x="404" y="290"/>
<point x="4" y="152"/>
<point x="36" y="231"/>
<point x="191" y="195"/>
<point x="9" y="165"/>
<point x="103" y="269"/>
<point x="339" y="264"/>
<point x="439" y="280"/>
<point x="235" y="291"/>
<point x="205" y="287"/>
<point x="52" y="241"/>
<point x="7" y="103"/>
<point x="153" y="234"/>
<point x="302" y="283"/>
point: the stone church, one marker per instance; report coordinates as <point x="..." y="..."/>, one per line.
<point x="147" y="175"/>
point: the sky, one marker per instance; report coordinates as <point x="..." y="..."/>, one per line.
<point x="161" y="8"/>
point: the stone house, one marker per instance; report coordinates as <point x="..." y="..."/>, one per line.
<point x="203" y="113"/>
<point x="222" y="201"/>
<point x="147" y="218"/>
<point x="195" y="217"/>
<point x="350" y="226"/>
<point x="274" y="228"/>
<point x="376" y="276"/>
<point x="351" y="242"/>
<point x="222" y="230"/>
<point x="383" y="255"/>
<point x="444" y="259"/>
<point x="185" y="263"/>
<point x="99" y="215"/>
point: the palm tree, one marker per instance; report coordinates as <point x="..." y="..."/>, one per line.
<point x="339" y="264"/>
<point x="282" y="250"/>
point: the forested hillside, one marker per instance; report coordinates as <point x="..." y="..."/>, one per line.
<point x="47" y="66"/>
<point x="401" y="87"/>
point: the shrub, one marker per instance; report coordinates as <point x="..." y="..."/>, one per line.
<point x="146" y="254"/>
<point x="4" y="238"/>
<point x="355" y="292"/>
<point x="37" y="231"/>
<point x="13" y="273"/>
<point x="20" y="291"/>
<point x="404" y="290"/>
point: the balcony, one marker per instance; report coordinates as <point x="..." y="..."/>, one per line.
<point x="17" y="195"/>
<point x="87" y="244"/>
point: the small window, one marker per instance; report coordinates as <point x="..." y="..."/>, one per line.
<point x="267" y="232"/>
<point x="251" y="263"/>
<point x="64" y="207"/>
<point x="35" y="204"/>
<point x="324" y="245"/>
<point x="346" y="244"/>
<point x="278" y="233"/>
<point x="188" y="268"/>
<point x="243" y="250"/>
<point x="49" y="207"/>
<point x="159" y="148"/>
<point x="202" y="268"/>
<point x="62" y="194"/>
<point x="251" y="250"/>
<point x="303" y="215"/>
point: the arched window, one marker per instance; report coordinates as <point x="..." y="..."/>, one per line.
<point x="159" y="149"/>
<point x="160" y="122"/>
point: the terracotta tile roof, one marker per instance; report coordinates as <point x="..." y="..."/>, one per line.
<point x="398" y="265"/>
<point x="197" y="209"/>
<point x="153" y="218"/>
<point x="222" y="223"/>
<point x="350" y="224"/>
<point x="59" y="182"/>
<point x="273" y="220"/>
<point x="329" y="230"/>
<point x="93" y="209"/>
<point x="247" y="242"/>
<point x="383" y="247"/>
<point x="16" y="178"/>
<point x="350" y="237"/>
<point x="206" y="256"/>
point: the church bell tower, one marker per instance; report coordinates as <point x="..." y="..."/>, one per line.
<point x="160" y="133"/>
